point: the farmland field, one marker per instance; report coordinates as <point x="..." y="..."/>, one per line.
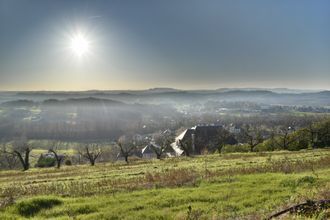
<point x="236" y="185"/>
<point x="140" y="110"/>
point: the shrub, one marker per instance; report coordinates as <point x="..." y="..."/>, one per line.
<point x="31" y="207"/>
<point x="267" y="145"/>
<point x="46" y="162"/>
<point x="68" y="162"/>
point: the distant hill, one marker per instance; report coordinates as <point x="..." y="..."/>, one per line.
<point x="280" y="96"/>
<point x="55" y="102"/>
<point x="82" y="101"/>
<point x="248" y="92"/>
<point x="161" y="90"/>
<point x="276" y="90"/>
<point x="18" y="103"/>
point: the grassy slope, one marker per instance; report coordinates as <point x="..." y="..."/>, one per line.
<point x="233" y="185"/>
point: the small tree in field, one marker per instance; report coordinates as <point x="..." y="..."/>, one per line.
<point x="252" y="135"/>
<point x="162" y="140"/>
<point x="91" y="153"/>
<point x="127" y="144"/>
<point x="221" y="139"/>
<point x="54" y="147"/>
<point x="313" y="134"/>
<point x="285" y="139"/>
<point x="21" y="149"/>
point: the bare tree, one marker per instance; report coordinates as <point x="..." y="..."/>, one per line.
<point x="160" y="142"/>
<point x="54" y="148"/>
<point x="313" y="134"/>
<point x="222" y="139"/>
<point x="91" y="153"/>
<point x="324" y="133"/>
<point x="285" y="137"/>
<point x="272" y="144"/>
<point x="21" y="149"/>
<point x="252" y="135"/>
<point x="127" y="144"/>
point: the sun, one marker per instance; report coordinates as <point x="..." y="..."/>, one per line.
<point x="79" y="44"/>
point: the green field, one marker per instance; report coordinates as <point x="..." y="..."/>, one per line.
<point x="230" y="186"/>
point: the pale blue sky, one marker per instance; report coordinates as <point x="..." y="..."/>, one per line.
<point x="183" y="44"/>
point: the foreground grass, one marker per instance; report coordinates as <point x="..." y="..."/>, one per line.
<point x="231" y="186"/>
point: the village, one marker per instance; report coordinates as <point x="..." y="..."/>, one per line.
<point x="192" y="141"/>
<point x="197" y="140"/>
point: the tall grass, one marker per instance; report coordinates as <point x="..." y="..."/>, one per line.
<point x="105" y="179"/>
<point x="230" y="176"/>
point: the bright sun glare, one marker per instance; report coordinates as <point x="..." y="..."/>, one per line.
<point x="79" y="44"/>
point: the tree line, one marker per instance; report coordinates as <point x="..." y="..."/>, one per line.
<point x="251" y="138"/>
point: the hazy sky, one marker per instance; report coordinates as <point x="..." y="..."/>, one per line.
<point x="181" y="43"/>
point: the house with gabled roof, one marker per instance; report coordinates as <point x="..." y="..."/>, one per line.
<point x="149" y="151"/>
<point x="201" y="137"/>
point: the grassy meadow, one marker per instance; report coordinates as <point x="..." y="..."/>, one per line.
<point x="228" y="186"/>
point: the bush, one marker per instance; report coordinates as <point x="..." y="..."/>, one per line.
<point x="46" y="162"/>
<point x="68" y="162"/>
<point x="31" y="207"/>
<point x="301" y="140"/>
<point x="263" y="147"/>
<point x="267" y="145"/>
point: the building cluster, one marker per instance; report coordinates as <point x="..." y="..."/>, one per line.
<point x="200" y="138"/>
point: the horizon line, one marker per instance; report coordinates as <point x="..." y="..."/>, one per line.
<point x="172" y="88"/>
